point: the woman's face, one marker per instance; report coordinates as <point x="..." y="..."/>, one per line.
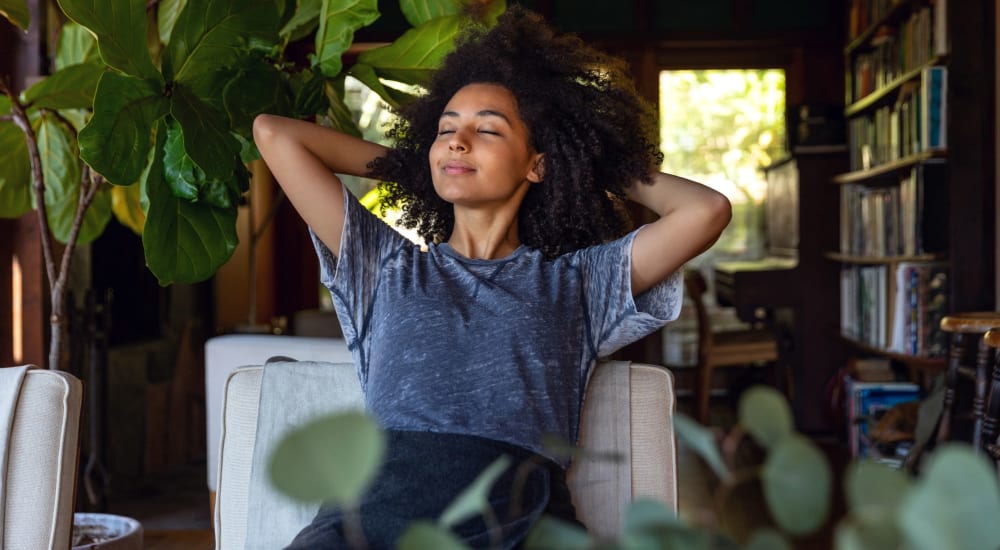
<point x="482" y="154"/>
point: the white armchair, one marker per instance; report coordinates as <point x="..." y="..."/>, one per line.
<point x="628" y="409"/>
<point x="42" y="443"/>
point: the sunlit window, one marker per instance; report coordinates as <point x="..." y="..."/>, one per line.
<point x="721" y="127"/>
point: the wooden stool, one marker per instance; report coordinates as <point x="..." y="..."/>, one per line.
<point x="992" y="341"/>
<point x="961" y="326"/>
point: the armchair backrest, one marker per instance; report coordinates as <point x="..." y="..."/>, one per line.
<point x="628" y="410"/>
<point x="43" y="452"/>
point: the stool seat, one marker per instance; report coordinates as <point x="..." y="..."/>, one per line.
<point x="992" y="338"/>
<point x="976" y="322"/>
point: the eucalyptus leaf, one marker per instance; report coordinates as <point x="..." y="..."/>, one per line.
<point x="215" y="35"/>
<point x="797" y="485"/>
<point x="872" y="485"/>
<point x="422" y="11"/>
<point x="366" y="75"/>
<point x="69" y="88"/>
<point x="955" y="505"/>
<point x="76" y="45"/>
<point x="423" y="535"/>
<point x="126" y="205"/>
<point x="645" y="514"/>
<point x="868" y="533"/>
<point x="304" y="20"/>
<point x="413" y="57"/>
<point x="256" y="87"/>
<point x="474" y="499"/>
<point x="117" y="139"/>
<point x="338" y="19"/>
<point x="767" y="539"/>
<point x="702" y="441"/>
<point x="57" y="147"/>
<point x="16" y="11"/>
<point x="206" y="135"/>
<point x="550" y="533"/>
<point x="15" y="172"/>
<point x="765" y="414"/>
<point x="120" y="27"/>
<point x="167" y="13"/>
<point x="332" y="458"/>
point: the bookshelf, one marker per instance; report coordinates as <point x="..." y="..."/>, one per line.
<point x="892" y="255"/>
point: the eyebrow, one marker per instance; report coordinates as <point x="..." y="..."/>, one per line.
<point x="484" y="112"/>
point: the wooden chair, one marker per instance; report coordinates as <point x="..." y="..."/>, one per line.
<point x="748" y="347"/>
<point x="992" y="417"/>
<point x="962" y="326"/>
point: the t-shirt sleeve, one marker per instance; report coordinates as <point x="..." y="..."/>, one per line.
<point x="615" y="318"/>
<point x="352" y="275"/>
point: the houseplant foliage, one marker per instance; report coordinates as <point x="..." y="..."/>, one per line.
<point x="953" y="504"/>
<point x="147" y="113"/>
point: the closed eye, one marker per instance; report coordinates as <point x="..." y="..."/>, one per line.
<point x="491" y="132"/>
<point x="443" y="132"/>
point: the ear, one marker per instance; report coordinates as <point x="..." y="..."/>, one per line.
<point x="537" y="172"/>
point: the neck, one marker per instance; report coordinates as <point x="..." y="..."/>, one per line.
<point x="484" y="235"/>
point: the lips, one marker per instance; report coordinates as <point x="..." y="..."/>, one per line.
<point x="454" y="168"/>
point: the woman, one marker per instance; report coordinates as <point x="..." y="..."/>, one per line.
<point x="512" y="168"/>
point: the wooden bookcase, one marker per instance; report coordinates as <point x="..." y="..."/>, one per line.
<point x="916" y="205"/>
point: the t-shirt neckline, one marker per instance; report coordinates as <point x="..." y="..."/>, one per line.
<point x="448" y="250"/>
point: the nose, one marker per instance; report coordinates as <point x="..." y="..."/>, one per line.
<point x="457" y="143"/>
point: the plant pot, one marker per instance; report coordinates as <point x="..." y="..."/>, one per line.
<point x="106" y="532"/>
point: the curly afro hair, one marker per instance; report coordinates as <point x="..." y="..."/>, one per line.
<point x="583" y="114"/>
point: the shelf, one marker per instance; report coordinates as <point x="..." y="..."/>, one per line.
<point x="892" y="16"/>
<point x="931" y="364"/>
<point x="890" y="168"/>
<point x="879" y="260"/>
<point x="873" y="98"/>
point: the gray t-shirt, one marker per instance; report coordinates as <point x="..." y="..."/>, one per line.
<point x="500" y="349"/>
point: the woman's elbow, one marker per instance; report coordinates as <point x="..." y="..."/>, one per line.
<point x="719" y="211"/>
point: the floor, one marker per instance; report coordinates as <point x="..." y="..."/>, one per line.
<point x="174" y="508"/>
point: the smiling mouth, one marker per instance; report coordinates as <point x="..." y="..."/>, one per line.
<point x="457" y="169"/>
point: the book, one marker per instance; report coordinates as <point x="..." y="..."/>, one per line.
<point x="867" y="402"/>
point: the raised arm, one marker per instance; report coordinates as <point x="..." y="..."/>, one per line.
<point x="305" y="158"/>
<point x="692" y="216"/>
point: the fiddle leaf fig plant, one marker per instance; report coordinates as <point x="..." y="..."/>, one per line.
<point x="148" y="110"/>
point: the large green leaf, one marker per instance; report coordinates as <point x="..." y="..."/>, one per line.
<point x="414" y="56"/>
<point x="206" y="135"/>
<point x="126" y="205"/>
<point x="422" y="11"/>
<point x="116" y="140"/>
<point x="257" y="87"/>
<point x="57" y="147"/>
<point x="215" y="35"/>
<point x="870" y="485"/>
<point x="765" y="414"/>
<point x="474" y="499"/>
<point x="184" y="242"/>
<point x="303" y="21"/>
<point x="338" y="113"/>
<point x="332" y="458"/>
<point x="120" y="26"/>
<point x="15" y="172"/>
<point x="16" y="11"/>
<point x="767" y="539"/>
<point x="338" y="19"/>
<point x="553" y="534"/>
<point x="69" y="88"/>
<point x="955" y="505"/>
<point x="797" y="485"/>
<point x="4" y="105"/>
<point x="367" y="75"/>
<point x="167" y="12"/>
<point x="189" y="182"/>
<point x="423" y="535"/>
<point x="76" y="45"/>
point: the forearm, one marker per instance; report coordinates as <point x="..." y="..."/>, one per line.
<point x="280" y="139"/>
<point x="669" y="193"/>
